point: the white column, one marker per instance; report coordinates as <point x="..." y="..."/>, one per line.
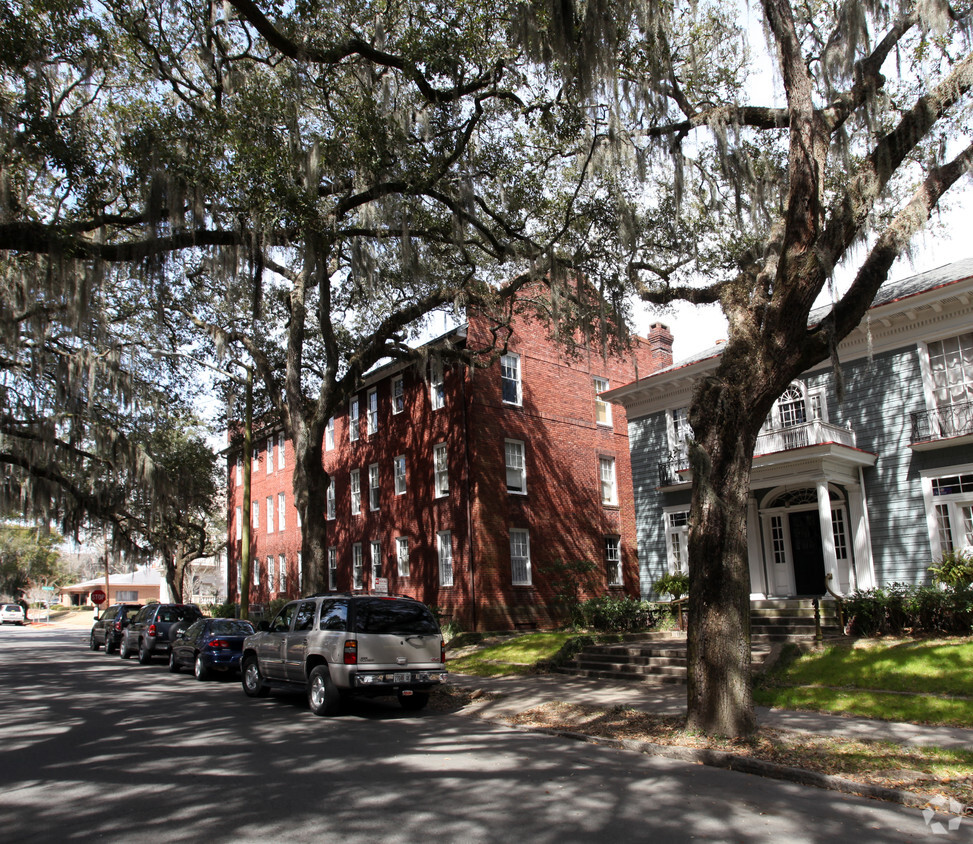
<point x="827" y="533"/>
<point x="861" y="537"/>
<point x="758" y="582"/>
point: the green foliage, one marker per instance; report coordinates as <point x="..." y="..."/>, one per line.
<point x="614" y="614"/>
<point x="572" y="646"/>
<point x="568" y="580"/>
<point x="900" y="607"/>
<point x="28" y="557"/>
<point x="671" y="583"/>
<point x="228" y="609"/>
<point x="954" y="569"/>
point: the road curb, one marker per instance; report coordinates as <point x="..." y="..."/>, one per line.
<point x="745" y="765"/>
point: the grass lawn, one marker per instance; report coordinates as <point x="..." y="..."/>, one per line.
<point x="925" y="681"/>
<point x="516" y="655"/>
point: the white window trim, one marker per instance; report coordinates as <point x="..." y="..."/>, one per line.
<point x="355" y="490"/>
<point x="255" y="514"/>
<point x="520" y="380"/>
<point x="255" y="573"/>
<point x="682" y="530"/>
<point x="601" y="385"/>
<point x="281" y="507"/>
<point x="375" y="554"/>
<point x="445" y="560"/>
<point x="239" y="523"/>
<point x="441" y="490"/>
<point x="437" y="383"/>
<point x="357" y="566"/>
<point x="239" y="469"/>
<point x="330" y="507"/>
<point x="270" y="514"/>
<point x="281" y="443"/>
<point x="270" y="455"/>
<point x="282" y="573"/>
<point x="953" y="502"/>
<point x="329" y="435"/>
<point x="354" y="420"/>
<point x="271" y="572"/>
<point x="332" y="567"/>
<point x="528" y="573"/>
<point x="400" y="381"/>
<point x="523" y="467"/>
<point x="612" y="500"/>
<point x="374" y="488"/>
<point x="402" y="563"/>
<point x="397" y="476"/>
<point x="614" y="573"/>
<point x="371" y="412"/>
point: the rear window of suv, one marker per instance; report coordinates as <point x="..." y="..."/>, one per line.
<point x="381" y="615"/>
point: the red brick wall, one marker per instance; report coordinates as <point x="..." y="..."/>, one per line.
<point x="561" y="509"/>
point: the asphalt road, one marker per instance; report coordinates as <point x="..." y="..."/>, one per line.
<point x="95" y="748"/>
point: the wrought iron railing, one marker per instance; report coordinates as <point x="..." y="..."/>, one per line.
<point x="951" y="421"/>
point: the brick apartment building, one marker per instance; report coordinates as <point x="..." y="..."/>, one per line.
<point x="477" y="491"/>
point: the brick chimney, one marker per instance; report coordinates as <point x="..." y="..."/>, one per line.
<point x="660" y="346"/>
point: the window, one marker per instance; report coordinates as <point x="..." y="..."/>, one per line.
<point x="270" y="574"/>
<point x="609" y="489"/>
<point x="613" y="560"/>
<point x="951" y="382"/>
<point x="255" y="580"/>
<point x="353" y="421"/>
<point x="444" y="542"/>
<point x="329" y="435"/>
<point x="376" y="550"/>
<point x="680" y="433"/>
<point x="516" y="470"/>
<point x="373" y="489"/>
<point x="239" y="578"/>
<point x="510" y="378"/>
<point x="398" y="395"/>
<point x="255" y="513"/>
<point x="270" y="455"/>
<point x="398" y="469"/>
<point x="372" y="412"/>
<point x="355" y="492"/>
<point x="280" y="511"/>
<point x="332" y="568"/>
<point x="298" y="511"/>
<point x="402" y="555"/>
<point x="300" y="569"/>
<point x="441" y="463"/>
<point x="437" y="389"/>
<point x="520" y="557"/>
<point x="239" y="469"/>
<point x="239" y="523"/>
<point x="280" y="450"/>
<point x="330" y="498"/>
<point x="356" y="566"/>
<point x="603" y="410"/>
<point x="127" y="595"/>
<point x="677" y="540"/>
<point x="256" y="456"/>
<point x="791" y="407"/>
<point x="270" y="514"/>
<point x="282" y="574"/>
<point x="952" y="499"/>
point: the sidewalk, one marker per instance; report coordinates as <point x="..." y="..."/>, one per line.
<point x="520" y="693"/>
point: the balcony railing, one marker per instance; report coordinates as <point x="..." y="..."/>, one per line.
<point x="955" y="420"/>
<point x="816" y="432"/>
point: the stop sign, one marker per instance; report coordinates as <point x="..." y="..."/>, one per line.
<point x="98" y="596"/>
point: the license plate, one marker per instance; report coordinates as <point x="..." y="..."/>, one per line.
<point x="401" y="678"/>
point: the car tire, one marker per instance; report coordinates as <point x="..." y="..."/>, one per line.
<point x="200" y="670"/>
<point x="173" y="665"/>
<point x="145" y="656"/>
<point x="109" y="645"/>
<point x="322" y="693"/>
<point x="252" y="679"/>
<point x="123" y="649"/>
<point x="414" y="702"/>
<point x="92" y="644"/>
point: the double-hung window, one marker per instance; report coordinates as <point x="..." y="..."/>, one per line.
<point x="613" y="560"/>
<point x="270" y="574"/>
<point x="353" y="420"/>
<point x="239" y="523"/>
<point x="255" y="514"/>
<point x="372" y="412"/>
<point x="239" y="469"/>
<point x="329" y="435"/>
<point x="270" y="455"/>
<point x="609" y="487"/>
<point x="357" y="566"/>
<point x="282" y="574"/>
<point x="270" y="514"/>
<point x="437" y="387"/>
<point x="951" y="376"/>
<point x="280" y="450"/>
<point x="603" y="410"/>
<point x="376" y="560"/>
<point x="402" y="555"/>
<point x="520" y="557"/>
<point x="510" y="378"/>
<point x="444" y="542"/>
<point x="677" y="540"/>
<point x="332" y="568"/>
<point x="280" y="511"/>
<point x="255" y="579"/>
<point x="398" y="465"/>
<point x="951" y="497"/>
<point x="441" y="468"/>
<point x="373" y="488"/>
<point x="398" y="394"/>
<point x="330" y="498"/>
<point x="355" y="492"/>
<point x="516" y="466"/>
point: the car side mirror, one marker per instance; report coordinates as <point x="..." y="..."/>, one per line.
<point x="263" y="626"/>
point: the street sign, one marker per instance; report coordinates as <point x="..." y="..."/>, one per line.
<point x="380" y="586"/>
<point x="98" y="596"/>
<point x="49" y="588"/>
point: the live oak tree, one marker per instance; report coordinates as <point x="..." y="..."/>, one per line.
<point x="724" y="193"/>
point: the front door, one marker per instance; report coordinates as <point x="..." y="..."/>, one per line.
<point x="807" y="553"/>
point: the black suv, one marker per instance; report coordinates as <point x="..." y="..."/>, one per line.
<point x="151" y="632"/>
<point x="337" y="645"/>
<point x="108" y="627"/>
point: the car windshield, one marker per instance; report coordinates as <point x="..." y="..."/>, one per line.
<point x="379" y="615"/>
<point x="230" y="627"/>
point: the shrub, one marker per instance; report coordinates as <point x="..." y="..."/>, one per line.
<point x="672" y="583"/>
<point x="609" y="614"/>
<point x="228" y="609"/>
<point x="954" y="569"/>
<point x="900" y="607"/>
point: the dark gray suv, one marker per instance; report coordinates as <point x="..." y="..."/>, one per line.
<point x="335" y="646"/>
<point x="107" y="628"/>
<point x="151" y="632"/>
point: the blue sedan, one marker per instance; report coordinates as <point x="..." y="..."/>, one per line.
<point x="208" y="645"/>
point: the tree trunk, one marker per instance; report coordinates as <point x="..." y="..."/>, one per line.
<point x="310" y="493"/>
<point x="725" y="423"/>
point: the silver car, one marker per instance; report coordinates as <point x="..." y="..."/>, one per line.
<point x="339" y="645"/>
<point x="12" y="614"/>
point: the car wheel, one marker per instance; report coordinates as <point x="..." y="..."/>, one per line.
<point x="173" y="664"/>
<point x="92" y="644"/>
<point x="200" y="669"/>
<point x="253" y="681"/>
<point x="322" y="694"/>
<point x="109" y="645"/>
<point x="415" y="701"/>
<point x="145" y="655"/>
<point x="123" y="650"/>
